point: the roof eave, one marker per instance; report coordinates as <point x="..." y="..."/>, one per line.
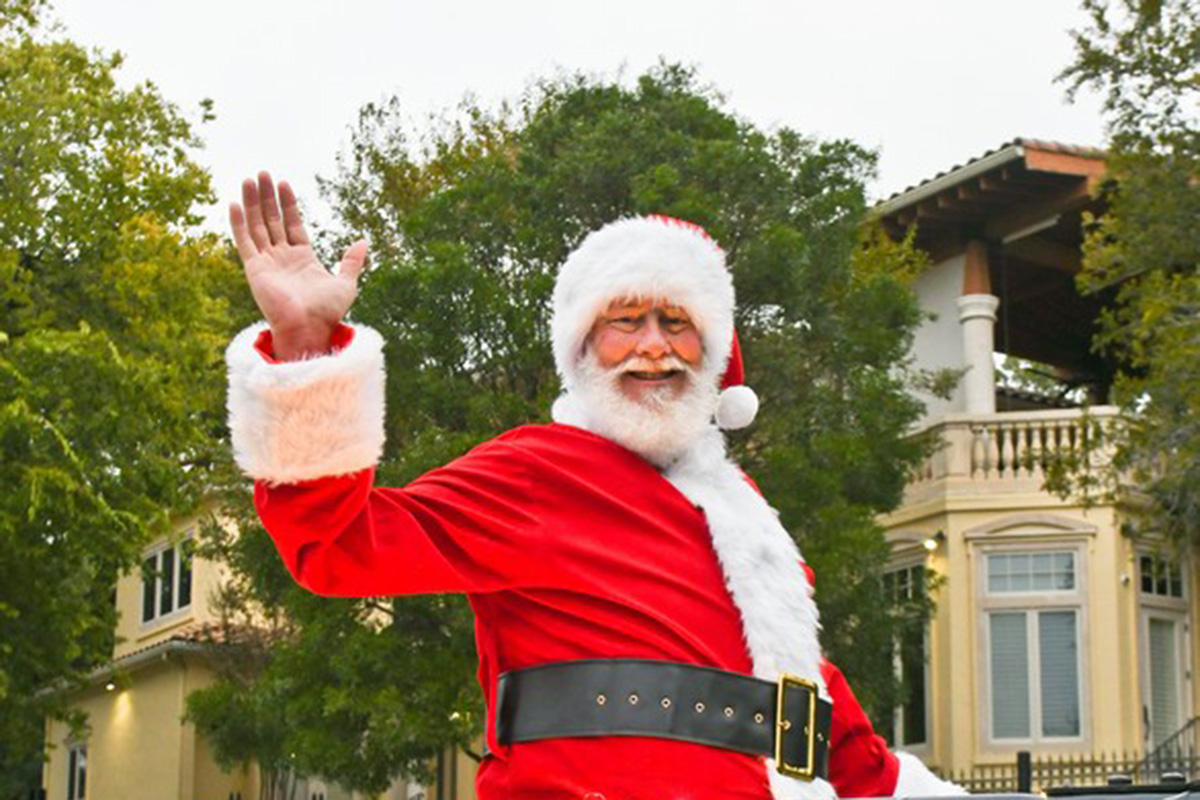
<point x="133" y="661"/>
<point x="1002" y="157"/>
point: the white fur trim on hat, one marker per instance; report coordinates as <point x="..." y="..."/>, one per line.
<point x="306" y="419"/>
<point x="916" y="780"/>
<point x="643" y="257"/>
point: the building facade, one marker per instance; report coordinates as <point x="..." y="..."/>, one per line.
<point x="137" y="745"/>
<point x="1056" y="631"/>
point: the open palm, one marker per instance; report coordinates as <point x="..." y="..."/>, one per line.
<point x="301" y="300"/>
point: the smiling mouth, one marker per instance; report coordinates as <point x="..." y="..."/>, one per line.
<point x="654" y="376"/>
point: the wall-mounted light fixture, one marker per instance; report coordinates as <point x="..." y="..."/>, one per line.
<point x="934" y="542"/>
<point x="110" y="686"/>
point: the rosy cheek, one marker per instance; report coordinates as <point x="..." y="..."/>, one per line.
<point x="689" y="349"/>
<point x="612" y="347"/>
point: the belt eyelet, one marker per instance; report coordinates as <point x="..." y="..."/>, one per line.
<point x="633" y="699"/>
<point x="665" y="702"/>
<point x="699" y="708"/>
<point x="601" y="699"/>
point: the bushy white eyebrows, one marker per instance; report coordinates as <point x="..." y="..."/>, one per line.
<point x="644" y="306"/>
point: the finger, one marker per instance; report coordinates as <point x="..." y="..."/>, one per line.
<point x="254" y="217"/>
<point x="353" y="260"/>
<point x="292" y="224"/>
<point x="241" y="233"/>
<point x="270" y="207"/>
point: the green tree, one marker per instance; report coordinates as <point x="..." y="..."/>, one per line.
<point x="1144" y="57"/>
<point x="111" y="328"/>
<point x="468" y="225"/>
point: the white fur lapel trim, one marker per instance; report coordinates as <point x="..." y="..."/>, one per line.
<point x="764" y="576"/>
<point x="307" y="419"/>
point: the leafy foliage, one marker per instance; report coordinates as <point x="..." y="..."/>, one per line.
<point x="467" y="227"/>
<point x="1145" y="58"/>
<point x="111" y="328"/>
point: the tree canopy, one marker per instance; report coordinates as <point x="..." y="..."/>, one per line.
<point x="112" y="322"/>
<point x="1144" y="58"/>
<point x="467" y="225"/>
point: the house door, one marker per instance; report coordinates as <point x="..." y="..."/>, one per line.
<point x="1165" y="673"/>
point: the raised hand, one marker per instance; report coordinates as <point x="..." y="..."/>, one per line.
<point x="301" y="300"/>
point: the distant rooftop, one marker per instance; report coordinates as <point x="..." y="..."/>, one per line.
<point x="1034" y="154"/>
<point x="993" y="194"/>
<point x="1008" y="153"/>
<point x="1024" y="205"/>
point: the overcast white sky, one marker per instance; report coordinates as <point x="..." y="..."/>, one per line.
<point x="930" y="83"/>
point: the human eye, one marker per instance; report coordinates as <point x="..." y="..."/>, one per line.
<point x="675" y="322"/>
<point x="627" y="323"/>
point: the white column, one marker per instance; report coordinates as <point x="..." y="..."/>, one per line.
<point x="977" y="315"/>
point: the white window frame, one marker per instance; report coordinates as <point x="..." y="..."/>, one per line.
<point x="178" y="610"/>
<point x="897" y="731"/>
<point x="1164" y="601"/>
<point x="1170" y="609"/>
<point x="1031" y="603"/>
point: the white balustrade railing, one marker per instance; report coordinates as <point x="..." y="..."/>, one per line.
<point x="1013" y="445"/>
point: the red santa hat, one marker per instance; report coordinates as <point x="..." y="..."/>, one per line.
<point x="661" y="258"/>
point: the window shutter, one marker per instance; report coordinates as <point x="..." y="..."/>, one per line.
<point x="1164" y="680"/>
<point x="1058" y="650"/>
<point x="1009" y="645"/>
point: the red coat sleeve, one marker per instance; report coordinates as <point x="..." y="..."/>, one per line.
<point x="860" y="764"/>
<point x="465" y="527"/>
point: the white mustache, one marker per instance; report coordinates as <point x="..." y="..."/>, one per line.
<point x="664" y="364"/>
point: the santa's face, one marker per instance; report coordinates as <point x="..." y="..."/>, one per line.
<point x="640" y="379"/>
<point x="652" y="346"/>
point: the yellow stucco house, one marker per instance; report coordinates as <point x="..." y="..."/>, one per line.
<point x="1055" y="632"/>
<point x="137" y="746"/>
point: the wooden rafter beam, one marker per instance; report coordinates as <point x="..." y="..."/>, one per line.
<point x="929" y="209"/>
<point x="1000" y="187"/>
<point x="1030" y="215"/>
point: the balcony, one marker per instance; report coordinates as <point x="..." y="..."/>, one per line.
<point x="1004" y="452"/>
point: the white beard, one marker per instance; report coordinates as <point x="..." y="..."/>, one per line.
<point x="661" y="425"/>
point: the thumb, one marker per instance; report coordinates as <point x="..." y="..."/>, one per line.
<point x="353" y="260"/>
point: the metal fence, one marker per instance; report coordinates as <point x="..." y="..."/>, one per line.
<point x="1080" y="770"/>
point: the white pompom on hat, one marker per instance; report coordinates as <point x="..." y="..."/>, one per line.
<point x="653" y="257"/>
<point x="738" y="404"/>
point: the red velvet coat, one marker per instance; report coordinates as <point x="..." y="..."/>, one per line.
<point x="568" y="547"/>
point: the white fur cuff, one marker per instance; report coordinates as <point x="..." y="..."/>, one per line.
<point x="300" y="420"/>
<point x="916" y="780"/>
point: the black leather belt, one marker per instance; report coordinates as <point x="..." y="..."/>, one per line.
<point x="786" y="720"/>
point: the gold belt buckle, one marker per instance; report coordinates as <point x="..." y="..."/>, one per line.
<point x="783" y="725"/>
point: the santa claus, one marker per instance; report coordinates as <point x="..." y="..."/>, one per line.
<point x="645" y="626"/>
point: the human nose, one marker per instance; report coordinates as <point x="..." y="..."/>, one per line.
<point x="652" y="340"/>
